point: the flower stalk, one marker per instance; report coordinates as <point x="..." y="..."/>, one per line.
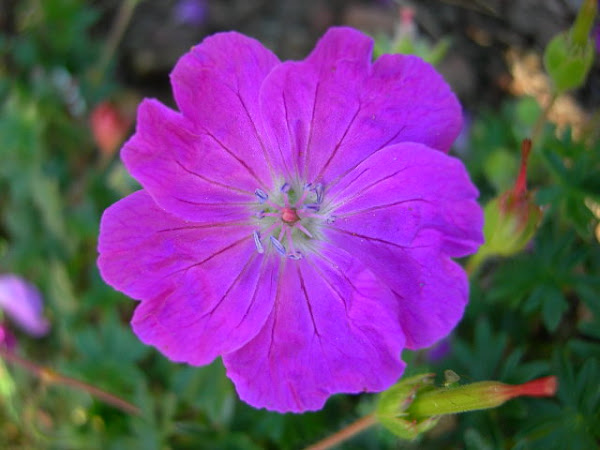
<point x="49" y="376"/>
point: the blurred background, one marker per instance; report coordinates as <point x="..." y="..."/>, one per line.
<point x="71" y="76"/>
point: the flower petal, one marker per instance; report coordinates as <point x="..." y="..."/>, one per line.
<point x="204" y="290"/>
<point x="406" y="209"/>
<point x="187" y="173"/>
<point x="23" y="303"/>
<point x="333" y="329"/>
<point x="145" y="251"/>
<point x="334" y="109"/>
<point x="431" y="290"/>
<point x="402" y="189"/>
<point x="216" y="86"/>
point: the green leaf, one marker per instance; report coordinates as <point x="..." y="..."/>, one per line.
<point x="553" y="308"/>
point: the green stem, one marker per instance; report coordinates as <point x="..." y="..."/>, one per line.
<point x="542" y="119"/>
<point x="116" y="34"/>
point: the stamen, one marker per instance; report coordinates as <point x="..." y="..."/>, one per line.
<point x="278" y="245"/>
<point x="304" y="230"/>
<point x="303" y="196"/>
<point x="261" y="195"/>
<point x="319" y="192"/>
<point x="273" y="205"/>
<point x="269" y="229"/>
<point x="278" y="218"/>
<point x="259" y="246"/>
<point x="294" y="254"/>
<point x="305" y="213"/>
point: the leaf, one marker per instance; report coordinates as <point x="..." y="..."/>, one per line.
<point x="553" y="308"/>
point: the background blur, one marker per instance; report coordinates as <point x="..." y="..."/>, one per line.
<point x="71" y="75"/>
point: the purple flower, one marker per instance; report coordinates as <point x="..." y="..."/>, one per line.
<point x="297" y="218"/>
<point x="22" y="302"/>
<point x="191" y="12"/>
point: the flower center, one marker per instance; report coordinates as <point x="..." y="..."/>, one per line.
<point x="289" y="215"/>
<point x="288" y="219"/>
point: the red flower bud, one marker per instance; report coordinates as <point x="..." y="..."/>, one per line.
<point x="510" y="219"/>
<point x="109" y="127"/>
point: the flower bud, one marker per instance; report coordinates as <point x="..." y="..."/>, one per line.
<point x="23" y="303"/>
<point x="109" y="127"/>
<point x="476" y="396"/>
<point x="393" y="403"/>
<point x="569" y="56"/>
<point x="510" y="219"/>
<point x="414" y="405"/>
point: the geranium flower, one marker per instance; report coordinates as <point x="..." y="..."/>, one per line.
<point x="297" y="218"/>
<point x="22" y="302"/>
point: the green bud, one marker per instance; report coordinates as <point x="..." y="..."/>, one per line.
<point x="566" y="63"/>
<point x="414" y="405"/>
<point x="569" y="56"/>
<point x="392" y="405"/>
<point x="476" y="396"/>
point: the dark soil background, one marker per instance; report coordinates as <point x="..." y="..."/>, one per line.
<point x="481" y="32"/>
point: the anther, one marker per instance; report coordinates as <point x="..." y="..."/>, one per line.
<point x="259" y="246"/>
<point x="319" y="192"/>
<point x="261" y="195"/>
<point x="285" y="188"/>
<point x="278" y="245"/>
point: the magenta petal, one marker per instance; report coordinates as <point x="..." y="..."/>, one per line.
<point x="22" y="301"/>
<point x="332" y="110"/>
<point x="402" y="189"/>
<point x="210" y="312"/>
<point x="333" y="329"/>
<point x="431" y="290"/>
<point x="204" y="289"/>
<point x="216" y="86"/>
<point x="341" y="43"/>
<point x="186" y="173"/>
<point x="145" y="251"/>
